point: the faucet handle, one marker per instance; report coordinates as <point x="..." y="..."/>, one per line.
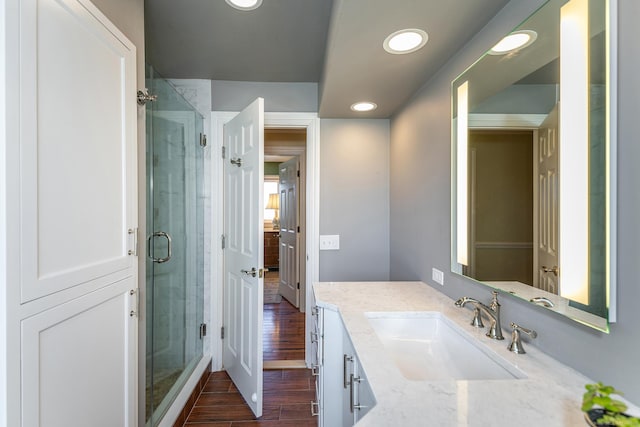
<point x="494" y="300"/>
<point x="516" y="342"/>
<point x="477" y="318"/>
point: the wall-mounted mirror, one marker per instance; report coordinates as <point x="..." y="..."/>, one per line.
<point x="533" y="153"/>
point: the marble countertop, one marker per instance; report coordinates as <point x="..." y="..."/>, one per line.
<point x="550" y="396"/>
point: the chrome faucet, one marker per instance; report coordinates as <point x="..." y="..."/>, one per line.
<point x="492" y="311"/>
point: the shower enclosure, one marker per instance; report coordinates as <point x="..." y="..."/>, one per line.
<point x="175" y="239"/>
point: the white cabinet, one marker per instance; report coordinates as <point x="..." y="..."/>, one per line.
<point x="316" y="358"/>
<point x="346" y="394"/>
<point x="68" y="217"/>
<point x="334" y="392"/>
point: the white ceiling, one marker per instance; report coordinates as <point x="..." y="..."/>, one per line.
<point x="336" y="43"/>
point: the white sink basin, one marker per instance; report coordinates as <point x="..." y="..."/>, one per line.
<point x="427" y="346"/>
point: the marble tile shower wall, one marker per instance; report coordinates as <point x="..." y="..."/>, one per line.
<point x="170" y="177"/>
<point x="198" y="94"/>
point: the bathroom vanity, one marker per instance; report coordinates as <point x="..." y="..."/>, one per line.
<point x="365" y="329"/>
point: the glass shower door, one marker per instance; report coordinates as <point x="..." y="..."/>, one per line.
<point x="175" y="236"/>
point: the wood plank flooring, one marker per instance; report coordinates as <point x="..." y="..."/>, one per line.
<point x="287" y="393"/>
<point x="287" y="402"/>
<point x="283" y="332"/>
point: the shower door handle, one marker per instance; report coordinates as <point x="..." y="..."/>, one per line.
<point x="151" y="238"/>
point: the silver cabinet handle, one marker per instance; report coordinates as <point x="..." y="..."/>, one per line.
<point x="352" y="392"/>
<point x="315" y="370"/>
<point x="315" y="408"/>
<point x="352" y="395"/>
<point x="134" y="232"/>
<point x="150" y="249"/>
<point x="346" y="359"/>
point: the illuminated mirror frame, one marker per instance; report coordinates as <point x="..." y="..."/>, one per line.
<point x="574" y="188"/>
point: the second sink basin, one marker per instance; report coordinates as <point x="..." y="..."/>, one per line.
<point x="427" y="346"/>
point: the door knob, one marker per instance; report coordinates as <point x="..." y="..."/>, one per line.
<point x="553" y="269"/>
<point x="253" y="272"/>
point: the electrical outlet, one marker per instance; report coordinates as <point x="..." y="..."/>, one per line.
<point x="437" y="276"/>
<point x="330" y="242"/>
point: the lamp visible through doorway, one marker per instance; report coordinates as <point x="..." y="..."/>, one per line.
<point x="274" y="203"/>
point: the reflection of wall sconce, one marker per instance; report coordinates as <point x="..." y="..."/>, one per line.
<point x="574" y="151"/>
<point x="274" y="203"/>
<point x="462" y="136"/>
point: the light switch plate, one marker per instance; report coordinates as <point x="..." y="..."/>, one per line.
<point x="330" y="242"/>
<point x="437" y="276"/>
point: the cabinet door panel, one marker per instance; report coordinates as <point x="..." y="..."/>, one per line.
<point x="78" y="146"/>
<point x="79" y="361"/>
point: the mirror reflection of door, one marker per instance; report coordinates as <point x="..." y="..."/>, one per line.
<point x="501" y="205"/>
<point x="546" y="269"/>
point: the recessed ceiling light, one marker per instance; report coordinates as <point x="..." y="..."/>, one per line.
<point x="514" y="41"/>
<point x="405" y="41"/>
<point x="364" y="106"/>
<point x="244" y="4"/>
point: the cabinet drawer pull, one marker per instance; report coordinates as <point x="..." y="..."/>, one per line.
<point x="352" y="393"/>
<point x="315" y="409"/>
<point x="345" y="376"/>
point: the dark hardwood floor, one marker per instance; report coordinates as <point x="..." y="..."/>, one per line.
<point x="283" y="332"/>
<point x="287" y="393"/>
<point x="287" y="402"/>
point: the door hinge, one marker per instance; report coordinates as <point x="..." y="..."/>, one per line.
<point x="298" y="174"/>
<point x="134" y="232"/>
<point x="298" y="229"/>
<point x="222" y="333"/>
<point x="203" y="140"/>
<point x="144" y="97"/>
<point x="224" y="241"/>
<point x="224" y="152"/>
<point x="298" y="285"/>
<point x="203" y="330"/>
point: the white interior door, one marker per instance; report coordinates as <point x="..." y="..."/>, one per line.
<point x="289" y="220"/>
<point x="547" y="201"/>
<point x="244" y="252"/>
<point x="73" y="198"/>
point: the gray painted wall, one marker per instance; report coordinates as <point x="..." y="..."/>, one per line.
<point x="354" y="177"/>
<point x="286" y="97"/>
<point x="420" y="208"/>
<point x="354" y="198"/>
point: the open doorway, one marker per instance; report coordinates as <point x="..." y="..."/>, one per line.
<point x="284" y="247"/>
<point x="220" y="320"/>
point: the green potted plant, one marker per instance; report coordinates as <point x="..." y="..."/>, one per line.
<point x="601" y="410"/>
